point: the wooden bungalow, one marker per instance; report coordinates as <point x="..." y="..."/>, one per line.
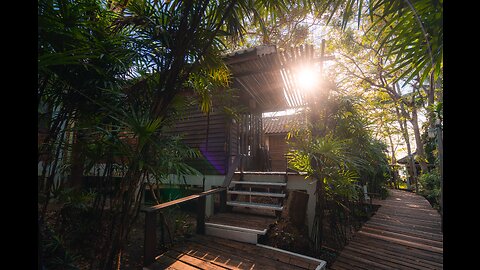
<point x="404" y="161"/>
<point x="265" y="79"/>
<point x="276" y="129"/>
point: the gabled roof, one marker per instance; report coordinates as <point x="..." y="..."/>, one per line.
<point x="267" y="76"/>
<point x="282" y="124"/>
<point x="405" y="159"/>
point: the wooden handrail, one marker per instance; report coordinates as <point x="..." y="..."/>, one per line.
<point x="182" y="200"/>
<point x="150" y="238"/>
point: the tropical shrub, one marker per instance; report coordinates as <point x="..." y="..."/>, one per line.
<point x="430" y="187"/>
<point x="339" y="152"/>
<point x="109" y="73"/>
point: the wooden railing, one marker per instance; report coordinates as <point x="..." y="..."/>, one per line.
<point x="151" y="213"/>
<point x="150" y="240"/>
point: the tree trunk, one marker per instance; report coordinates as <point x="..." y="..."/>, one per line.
<point x="418" y="140"/>
<point x="431" y="102"/>
<point x="297" y="207"/>
<point x="319" y="129"/>
<point x="403" y="126"/>
<point x="317" y="230"/>
<point x="416" y="131"/>
<point x="394" y="161"/>
<point x="77" y="161"/>
<point x="125" y="207"/>
<point x="402" y="115"/>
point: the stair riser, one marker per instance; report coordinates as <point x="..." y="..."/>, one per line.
<point x="261" y="178"/>
<point x="263" y="194"/>
<point x="259" y="184"/>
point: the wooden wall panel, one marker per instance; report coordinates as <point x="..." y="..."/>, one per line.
<point x="193" y="129"/>
<point x="278" y="148"/>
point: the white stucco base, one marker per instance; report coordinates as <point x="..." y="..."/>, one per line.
<point x="295" y="182"/>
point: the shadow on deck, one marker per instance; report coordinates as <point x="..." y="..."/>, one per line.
<point x="405" y="233"/>
<point x="237" y="247"/>
<point x="209" y="252"/>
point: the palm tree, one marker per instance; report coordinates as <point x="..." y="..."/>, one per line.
<point x="324" y="159"/>
<point x="412" y="31"/>
<point x="339" y="152"/>
<point x="111" y="72"/>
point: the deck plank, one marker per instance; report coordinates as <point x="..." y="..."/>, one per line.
<point x="253" y="250"/>
<point x="209" y="252"/>
<point x="198" y="262"/>
<point x="405" y="233"/>
<point x="264" y="259"/>
<point x="249" y="221"/>
<point x="216" y="256"/>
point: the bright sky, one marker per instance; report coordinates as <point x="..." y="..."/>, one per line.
<point x="280" y="113"/>
<point x="319" y="32"/>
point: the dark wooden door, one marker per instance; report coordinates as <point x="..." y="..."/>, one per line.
<point x="278" y="148"/>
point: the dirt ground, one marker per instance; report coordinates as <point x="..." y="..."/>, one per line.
<point x="132" y="259"/>
<point x="284" y="235"/>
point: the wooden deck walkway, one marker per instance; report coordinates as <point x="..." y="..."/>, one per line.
<point x="209" y="252"/>
<point x="405" y="233"/>
<point x="224" y="252"/>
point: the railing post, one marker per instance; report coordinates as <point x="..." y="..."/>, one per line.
<point x="162" y="228"/>
<point x="223" y="201"/>
<point x="150" y="240"/>
<point x="201" y="205"/>
<point x="150" y="237"/>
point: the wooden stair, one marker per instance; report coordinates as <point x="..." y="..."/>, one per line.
<point x="258" y="190"/>
<point x="255" y="200"/>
